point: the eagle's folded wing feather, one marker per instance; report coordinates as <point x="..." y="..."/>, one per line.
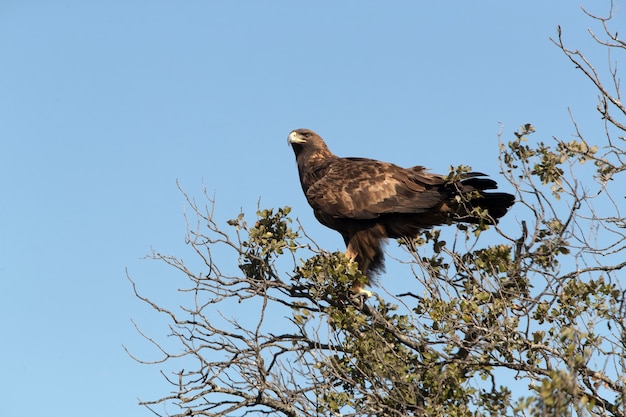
<point x="365" y="189"/>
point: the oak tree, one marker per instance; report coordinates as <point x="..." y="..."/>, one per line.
<point x="530" y="321"/>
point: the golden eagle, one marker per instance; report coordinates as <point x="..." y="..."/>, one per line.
<point x="368" y="201"/>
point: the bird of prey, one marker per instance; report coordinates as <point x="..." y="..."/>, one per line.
<point x="369" y="201"/>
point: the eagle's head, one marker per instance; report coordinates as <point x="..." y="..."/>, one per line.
<point x="308" y="144"/>
<point x="311" y="152"/>
<point x="301" y="136"/>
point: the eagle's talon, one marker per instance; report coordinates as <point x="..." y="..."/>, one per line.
<point x="366" y="293"/>
<point x="362" y="292"/>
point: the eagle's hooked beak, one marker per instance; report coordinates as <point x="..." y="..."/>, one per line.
<point x="295" y="137"/>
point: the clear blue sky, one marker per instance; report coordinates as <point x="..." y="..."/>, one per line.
<point x="105" y="104"/>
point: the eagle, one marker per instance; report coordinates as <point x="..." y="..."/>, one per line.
<point x="369" y="201"/>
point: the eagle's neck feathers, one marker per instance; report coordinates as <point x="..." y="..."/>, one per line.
<point x="313" y="165"/>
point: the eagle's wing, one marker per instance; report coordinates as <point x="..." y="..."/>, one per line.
<point x="364" y="189"/>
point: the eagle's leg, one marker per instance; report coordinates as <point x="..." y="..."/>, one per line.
<point x="358" y="288"/>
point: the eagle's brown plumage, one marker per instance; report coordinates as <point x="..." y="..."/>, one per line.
<point x="368" y="201"/>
